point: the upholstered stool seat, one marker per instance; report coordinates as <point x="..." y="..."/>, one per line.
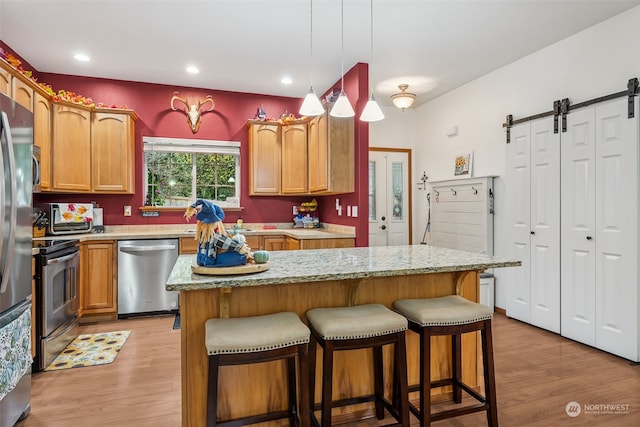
<point x="451" y="315"/>
<point x="247" y="340"/>
<point x="358" y="327"/>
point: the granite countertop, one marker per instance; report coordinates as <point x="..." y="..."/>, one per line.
<point x="176" y="231"/>
<point x="316" y="265"/>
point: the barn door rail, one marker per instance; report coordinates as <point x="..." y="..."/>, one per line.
<point x="563" y="107"/>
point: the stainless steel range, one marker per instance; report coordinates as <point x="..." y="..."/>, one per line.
<point x="57" y="298"/>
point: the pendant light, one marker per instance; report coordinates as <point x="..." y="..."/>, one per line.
<point x="372" y="111"/>
<point x="311" y="106"/>
<point x="342" y="107"/>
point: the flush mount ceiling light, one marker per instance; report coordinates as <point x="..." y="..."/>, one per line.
<point x="192" y="69"/>
<point x="372" y="111"/>
<point x="342" y="107"/>
<point x="311" y="106"/>
<point x="403" y="100"/>
<point x="81" y="57"/>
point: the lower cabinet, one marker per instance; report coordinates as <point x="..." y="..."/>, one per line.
<point x="98" y="291"/>
<point x="275" y="243"/>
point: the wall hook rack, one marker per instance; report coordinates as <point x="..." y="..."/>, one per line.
<point x="475" y="190"/>
<point x="454" y="192"/>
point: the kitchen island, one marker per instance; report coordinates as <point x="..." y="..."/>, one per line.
<point x="300" y="280"/>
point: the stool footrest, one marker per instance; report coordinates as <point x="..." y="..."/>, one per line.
<point x="458" y="412"/>
<point x="271" y="416"/>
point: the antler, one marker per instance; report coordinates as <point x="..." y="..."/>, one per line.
<point x="204" y="101"/>
<point x="174" y="97"/>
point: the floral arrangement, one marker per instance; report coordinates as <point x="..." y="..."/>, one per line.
<point x="61" y="95"/>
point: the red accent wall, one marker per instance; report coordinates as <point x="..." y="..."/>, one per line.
<point x="227" y="121"/>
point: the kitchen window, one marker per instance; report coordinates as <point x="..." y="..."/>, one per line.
<point x="178" y="171"/>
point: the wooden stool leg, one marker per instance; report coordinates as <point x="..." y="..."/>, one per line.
<point x="378" y="381"/>
<point x="312" y="376"/>
<point x="400" y="374"/>
<point x="212" y="391"/>
<point x="456" y="366"/>
<point x="292" y="390"/>
<point x="304" y="415"/>
<point x="425" y="380"/>
<point x="327" y="383"/>
<point x="489" y="374"/>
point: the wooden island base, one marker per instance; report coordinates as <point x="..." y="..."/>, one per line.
<point x="259" y="388"/>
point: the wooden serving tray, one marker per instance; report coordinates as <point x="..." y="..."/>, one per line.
<point x="224" y="271"/>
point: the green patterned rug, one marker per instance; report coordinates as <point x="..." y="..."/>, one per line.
<point x="90" y="350"/>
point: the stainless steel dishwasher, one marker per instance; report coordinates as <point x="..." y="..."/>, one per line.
<point x="143" y="269"/>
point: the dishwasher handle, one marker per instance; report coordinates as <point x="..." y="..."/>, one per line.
<point x="132" y="248"/>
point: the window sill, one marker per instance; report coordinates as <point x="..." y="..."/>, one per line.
<point x="182" y="209"/>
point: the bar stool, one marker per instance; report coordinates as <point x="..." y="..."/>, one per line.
<point x="247" y="340"/>
<point x="450" y="315"/>
<point x="358" y="327"/>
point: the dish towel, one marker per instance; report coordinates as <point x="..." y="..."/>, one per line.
<point x="15" y="352"/>
<point x="75" y="212"/>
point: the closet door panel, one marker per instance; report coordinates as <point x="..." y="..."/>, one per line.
<point x="616" y="153"/>
<point x="518" y="190"/>
<point x="545" y="225"/>
<point x="578" y="227"/>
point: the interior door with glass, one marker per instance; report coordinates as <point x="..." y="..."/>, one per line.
<point x="389" y="198"/>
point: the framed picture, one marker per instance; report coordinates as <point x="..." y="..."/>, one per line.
<point x="463" y="164"/>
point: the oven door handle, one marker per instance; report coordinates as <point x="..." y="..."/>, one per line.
<point x="62" y="259"/>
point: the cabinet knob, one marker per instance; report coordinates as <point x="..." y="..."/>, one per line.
<point x="383" y="218"/>
<point x="532" y="232"/>
<point x="383" y="227"/>
<point x="589" y="238"/>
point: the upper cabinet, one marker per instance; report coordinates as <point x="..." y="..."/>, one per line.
<point x="16" y="86"/>
<point x="264" y="158"/>
<point x="301" y="157"/>
<point x="42" y="136"/>
<point x="112" y="151"/>
<point x="331" y="155"/>
<point x="92" y="150"/>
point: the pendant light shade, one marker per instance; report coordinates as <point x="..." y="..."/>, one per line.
<point x="311" y="106"/>
<point x="372" y="111"/>
<point x="342" y="107"/>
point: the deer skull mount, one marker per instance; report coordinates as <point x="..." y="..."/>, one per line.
<point x="193" y="110"/>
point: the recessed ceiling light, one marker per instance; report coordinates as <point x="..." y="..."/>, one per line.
<point x="81" y="57"/>
<point x="192" y="69"/>
<point x="286" y="80"/>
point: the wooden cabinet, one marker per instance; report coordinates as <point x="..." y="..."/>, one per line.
<point x="254" y="242"/>
<point x="71" y="157"/>
<point x="188" y="245"/>
<point x="112" y="151"/>
<point x="98" y="283"/>
<point x="294" y="159"/>
<point x="42" y="136"/>
<point x="93" y="151"/>
<point x="264" y="158"/>
<point x="326" y="243"/>
<point x="292" y="244"/>
<point x="274" y="243"/>
<point x="301" y="158"/>
<point x="22" y="91"/>
<point x="5" y="79"/>
<point x="331" y="155"/>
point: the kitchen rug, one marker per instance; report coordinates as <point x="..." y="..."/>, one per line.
<point x="90" y="350"/>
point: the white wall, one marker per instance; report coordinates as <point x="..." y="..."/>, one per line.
<point x="595" y="62"/>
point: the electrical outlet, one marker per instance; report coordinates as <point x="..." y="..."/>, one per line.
<point x="354" y="211"/>
<point x="127" y="211"/>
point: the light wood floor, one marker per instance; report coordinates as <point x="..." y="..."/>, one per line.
<point x="538" y="374"/>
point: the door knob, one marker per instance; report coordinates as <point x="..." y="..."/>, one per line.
<point x="383" y="218"/>
<point x="532" y="232"/>
<point x="383" y="227"/>
<point x="589" y="238"/>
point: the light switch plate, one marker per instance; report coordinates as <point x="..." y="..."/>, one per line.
<point x="127" y="211"/>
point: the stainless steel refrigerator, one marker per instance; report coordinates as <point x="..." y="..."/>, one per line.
<point x="16" y="151"/>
